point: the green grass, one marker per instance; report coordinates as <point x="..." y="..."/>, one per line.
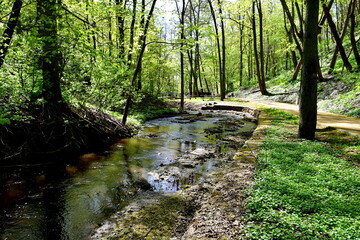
<point x="303" y="189"/>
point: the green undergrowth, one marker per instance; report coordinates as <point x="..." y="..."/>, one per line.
<point x="338" y="93"/>
<point x="303" y="189"/>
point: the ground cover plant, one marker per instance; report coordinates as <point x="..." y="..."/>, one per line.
<point x="303" y="189"/>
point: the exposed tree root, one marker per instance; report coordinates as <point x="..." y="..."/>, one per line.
<point x="41" y="139"/>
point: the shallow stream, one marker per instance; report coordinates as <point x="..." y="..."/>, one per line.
<point x="169" y="154"/>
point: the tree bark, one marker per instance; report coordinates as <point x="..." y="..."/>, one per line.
<point x="50" y="58"/>
<point x="352" y="34"/>
<point x="132" y="30"/>
<point x="339" y="47"/>
<point x="261" y="42"/>
<point x="223" y="50"/>
<point x="142" y="25"/>
<point x="308" y="87"/>
<point x="241" y="65"/>
<point x="182" y="38"/>
<point x="218" y="47"/>
<point x="256" y="55"/>
<point x="121" y="27"/>
<point x="139" y="61"/>
<point x="9" y="29"/>
<point x="290" y="17"/>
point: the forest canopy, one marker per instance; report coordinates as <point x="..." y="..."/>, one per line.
<point x="106" y="51"/>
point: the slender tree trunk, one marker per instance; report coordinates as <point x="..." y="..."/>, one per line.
<point x="241" y="64"/>
<point x="182" y="38"/>
<point x="142" y="25"/>
<point x="203" y="70"/>
<point x="132" y="30"/>
<point x="257" y="64"/>
<point x="139" y="61"/>
<point x="296" y="36"/>
<point x="47" y="33"/>
<point x="192" y="82"/>
<point x="352" y="34"/>
<point x="250" y="64"/>
<point x="291" y="18"/>
<point x="308" y="87"/>
<point x="121" y="26"/>
<point x="223" y="50"/>
<point x="218" y="47"/>
<point x="110" y="34"/>
<point x="297" y="69"/>
<point x="261" y="53"/>
<point x="9" y="29"/>
<point x="301" y="20"/>
<point x="339" y="47"/>
<point x="197" y="64"/>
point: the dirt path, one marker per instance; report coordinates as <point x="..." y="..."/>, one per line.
<point x="325" y="119"/>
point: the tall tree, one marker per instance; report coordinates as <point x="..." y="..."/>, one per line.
<point x="338" y="39"/>
<point x="308" y="87"/>
<point x="262" y="84"/>
<point x="352" y="33"/>
<point x="121" y="8"/>
<point x="256" y="53"/>
<point x="182" y="37"/>
<point x="139" y="60"/>
<point x="9" y="29"/>
<point x="50" y="57"/>
<point x="223" y="51"/>
<point x="222" y="80"/>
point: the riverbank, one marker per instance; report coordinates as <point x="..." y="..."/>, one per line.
<point x="246" y="199"/>
<point x="211" y="209"/>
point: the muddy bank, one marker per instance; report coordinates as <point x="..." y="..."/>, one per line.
<point x="38" y="140"/>
<point x="185" y="205"/>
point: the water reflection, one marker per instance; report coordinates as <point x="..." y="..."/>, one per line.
<point x="70" y="207"/>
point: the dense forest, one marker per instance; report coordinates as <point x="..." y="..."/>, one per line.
<point x="60" y="60"/>
<point x="79" y="81"/>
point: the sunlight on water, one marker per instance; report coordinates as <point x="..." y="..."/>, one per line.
<point x="70" y="207"/>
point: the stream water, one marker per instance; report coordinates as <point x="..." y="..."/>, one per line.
<point x="69" y="201"/>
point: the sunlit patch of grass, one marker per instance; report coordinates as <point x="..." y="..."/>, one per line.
<point x="303" y="189"/>
<point x="348" y="145"/>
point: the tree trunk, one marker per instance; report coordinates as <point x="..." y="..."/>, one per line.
<point x="352" y="34"/>
<point x="297" y="69"/>
<point x="203" y="70"/>
<point x="142" y="25"/>
<point x="223" y="48"/>
<point x="218" y="48"/>
<point x="339" y="47"/>
<point x="132" y="30"/>
<point x="261" y="42"/>
<point x="291" y="18"/>
<point x="301" y="20"/>
<point x="9" y="29"/>
<point x="241" y="65"/>
<point x="139" y="61"/>
<point x="121" y="26"/>
<point x="47" y="33"/>
<point x="182" y="38"/>
<point x="257" y="64"/>
<point x="192" y="83"/>
<point x="308" y="87"/>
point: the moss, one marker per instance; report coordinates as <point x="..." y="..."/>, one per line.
<point x="158" y="221"/>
